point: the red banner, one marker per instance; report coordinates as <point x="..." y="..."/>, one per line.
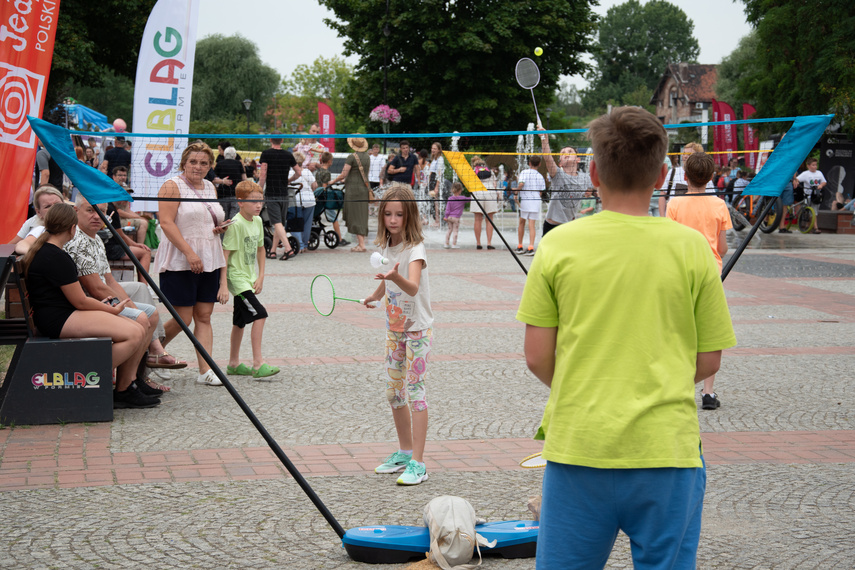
<point x="27" y="30"/>
<point x="326" y="122"/>
<point x="717" y="133"/>
<point x="729" y="141"/>
<point x="749" y="137"/>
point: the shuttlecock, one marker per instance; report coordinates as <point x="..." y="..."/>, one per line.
<point x="377" y="260"/>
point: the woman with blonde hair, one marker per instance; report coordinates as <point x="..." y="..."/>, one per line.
<point x="190" y="259"/>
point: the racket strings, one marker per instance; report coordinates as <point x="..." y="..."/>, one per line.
<point x="323" y="295"/>
<point x="528" y="74"/>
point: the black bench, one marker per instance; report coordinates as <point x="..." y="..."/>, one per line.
<point x="51" y="381"/>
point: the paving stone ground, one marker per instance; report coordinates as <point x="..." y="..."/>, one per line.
<point x="193" y="484"/>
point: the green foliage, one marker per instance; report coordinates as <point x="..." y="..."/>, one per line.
<point x="227" y="71"/>
<point x="451" y="64"/>
<point x="327" y="80"/>
<point x="737" y="70"/>
<point x="115" y="98"/>
<point x="93" y="38"/>
<point x="805" y="59"/>
<point x="635" y="45"/>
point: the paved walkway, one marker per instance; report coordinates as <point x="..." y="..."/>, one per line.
<point x="191" y="483"/>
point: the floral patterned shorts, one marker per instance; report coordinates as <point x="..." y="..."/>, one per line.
<point x="406" y="368"/>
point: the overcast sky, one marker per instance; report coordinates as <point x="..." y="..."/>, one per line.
<point x="291" y="32"/>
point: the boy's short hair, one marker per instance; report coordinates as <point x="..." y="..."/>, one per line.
<point x="326" y="157"/>
<point x="629" y="147"/>
<point x="699" y="168"/>
<point x="811" y="161"/>
<point x="534" y="161"/>
<point x="694" y="147"/>
<point x="247" y="187"/>
<point x="299" y="157"/>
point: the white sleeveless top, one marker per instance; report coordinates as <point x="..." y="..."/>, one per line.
<point x="196" y="225"/>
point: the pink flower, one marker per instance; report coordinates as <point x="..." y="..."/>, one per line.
<point x="385" y="114"/>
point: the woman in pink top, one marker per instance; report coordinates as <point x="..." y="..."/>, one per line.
<point x="190" y="260"/>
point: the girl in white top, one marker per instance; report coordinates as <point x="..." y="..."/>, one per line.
<point x="305" y="199"/>
<point x="406" y="298"/>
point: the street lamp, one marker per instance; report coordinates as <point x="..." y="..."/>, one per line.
<point x="246" y="105"/>
<point x="386" y="32"/>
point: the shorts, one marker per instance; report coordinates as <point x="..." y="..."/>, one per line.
<point x="583" y="509"/>
<point x="134" y="314"/>
<point x="247" y="309"/>
<point x="185" y="288"/>
<point x="524" y="215"/>
<point x="277" y="207"/>
<point x="406" y="368"/>
<point x="548" y="226"/>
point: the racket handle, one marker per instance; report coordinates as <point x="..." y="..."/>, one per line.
<point x="372" y="304"/>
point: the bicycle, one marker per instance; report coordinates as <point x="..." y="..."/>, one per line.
<point x="801" y="214"/>
<point x="746" y="210"/>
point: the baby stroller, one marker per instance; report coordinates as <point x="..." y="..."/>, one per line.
<point x="328" y="204"/>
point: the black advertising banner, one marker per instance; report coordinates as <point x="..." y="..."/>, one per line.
<point x="837" y="163"/>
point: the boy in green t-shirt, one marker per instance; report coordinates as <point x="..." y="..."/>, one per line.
<point x="624" y="313"/>
<point x="243" y="247"/>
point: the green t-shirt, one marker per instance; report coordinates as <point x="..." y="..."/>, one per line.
<point x="243" y="238"/>
<point x="634" y="299"/>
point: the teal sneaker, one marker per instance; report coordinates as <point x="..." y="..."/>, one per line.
<point x="396" y="462"/>
<point x="413" y="474"/>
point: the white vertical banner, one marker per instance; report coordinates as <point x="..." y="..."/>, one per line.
<point x="162" y="96"/>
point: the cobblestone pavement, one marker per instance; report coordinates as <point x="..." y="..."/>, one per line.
<point x="192" y="484"/>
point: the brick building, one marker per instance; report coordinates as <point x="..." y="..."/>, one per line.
<point x="684" y="91"/>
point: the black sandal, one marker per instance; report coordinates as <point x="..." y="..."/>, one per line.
<point x="271" y="255"/>
<point x="490" y="247"/>
<point x="478" y="247"/>
<point x="288" y="255"/>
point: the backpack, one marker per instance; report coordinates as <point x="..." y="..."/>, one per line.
<point x="451" y="522"/>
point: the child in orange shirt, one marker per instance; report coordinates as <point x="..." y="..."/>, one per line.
<point x="708" y="215"/>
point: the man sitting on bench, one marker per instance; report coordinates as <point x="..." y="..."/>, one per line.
<point x="93" y="270"/>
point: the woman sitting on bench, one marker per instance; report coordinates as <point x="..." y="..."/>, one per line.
<point x="62" y="310"/>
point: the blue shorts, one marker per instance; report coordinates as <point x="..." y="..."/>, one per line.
<point x="134" y="314"/>
<point x="185" y="288"/>
<point x="584" y="508"/>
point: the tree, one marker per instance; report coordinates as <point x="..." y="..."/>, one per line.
<point x="805" y="59"/>
<point x="327" y="80"/>
<point x="451" y="64"/>
<point x="635" y="45"/>
<point x="737" y="70"/>
<point x="93" y="39"/>
<point x="227" y="71"/>
<point x="114" y="98"/>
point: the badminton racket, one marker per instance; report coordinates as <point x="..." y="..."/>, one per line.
<point x="535" y="461"/>
<point x="324" y="297"/>
<point x="528" y="76"/>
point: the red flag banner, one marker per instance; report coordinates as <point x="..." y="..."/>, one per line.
<point x="718" y="131"/>
<point x="729" y="141"/>
<point x="749" y="137"/>
<point x="27" y="31"/>
<point x="326" y="122"/>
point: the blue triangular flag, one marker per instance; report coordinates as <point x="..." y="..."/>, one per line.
<point x="788" y="155"/>
<point x="95" y="186"/>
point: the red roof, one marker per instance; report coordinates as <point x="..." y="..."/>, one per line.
<point x="696" y="81"/>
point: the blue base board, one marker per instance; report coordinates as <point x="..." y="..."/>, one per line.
<point x="395" y="544"/>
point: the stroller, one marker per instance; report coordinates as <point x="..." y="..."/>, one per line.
<point x="328" y="204"/>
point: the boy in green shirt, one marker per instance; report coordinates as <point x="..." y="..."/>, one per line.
<point x="243" y="247"/>
<point x="624" y="313"/>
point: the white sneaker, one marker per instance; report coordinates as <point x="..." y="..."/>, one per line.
<point x="446" y="246"/>
<point x="455" y="247"/>
<point x="162" y="373"/>
<point x="209" y="379"/>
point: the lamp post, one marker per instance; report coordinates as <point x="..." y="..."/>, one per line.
<point x="246" y="105"/>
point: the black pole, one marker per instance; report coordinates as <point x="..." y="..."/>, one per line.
<point x="501" y="237"/>
<point x="732" y="261"/>
<point x="274" y="446"/>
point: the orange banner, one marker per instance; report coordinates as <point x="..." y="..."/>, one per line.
<point x="27" y="31"/>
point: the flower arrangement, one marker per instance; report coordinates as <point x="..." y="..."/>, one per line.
<point x="385" y="114"/>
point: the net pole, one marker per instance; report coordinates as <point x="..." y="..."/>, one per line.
<point x="272" y="443"/>
<point x="735" y="257"/>
<point x="501" y="237"/>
